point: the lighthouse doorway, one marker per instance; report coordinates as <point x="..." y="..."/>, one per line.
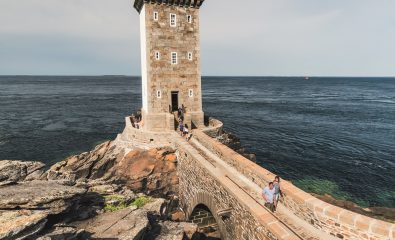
<point x="174" y="101"/>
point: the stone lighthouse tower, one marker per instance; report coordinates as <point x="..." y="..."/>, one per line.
<point x="170" y="61"/>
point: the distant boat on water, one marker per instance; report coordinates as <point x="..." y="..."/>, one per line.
<point x="306" y="78"/>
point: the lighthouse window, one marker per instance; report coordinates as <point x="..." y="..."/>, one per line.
<point x="158" y="94"/>
<point x="156" y="16"/>
<point x="173" y="58"/>
<point x="189" y="18"/>
<point x="157" y="55"/>
<point x="190" y="56"/>
<point x="173" y="20"/>
<point x="190" y="93"/>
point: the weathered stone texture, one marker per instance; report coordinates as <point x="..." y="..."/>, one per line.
<point x="166" y="77"/>
<point x="123" y="224"/>
<point x="153" y="171"/>
<point x="49" y="195"/>
<point x="19" y="224"/>
<point x="163" y="75"/>
<point x="16" y="171"/>
<point x="142" y="139"/>
<point x="215" y="128"/>
<point x="199" y="186"/>
<point x="336" y="221"/>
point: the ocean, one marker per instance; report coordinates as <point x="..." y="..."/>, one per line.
<point x="326" y="135"/>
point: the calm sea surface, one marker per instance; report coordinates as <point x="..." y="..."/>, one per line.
<point x="327" y="135"/>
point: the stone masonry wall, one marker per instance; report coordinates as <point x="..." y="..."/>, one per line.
<point x="164" y="76"/>
<point x="214" y="129"/>
<point x="204" y="219"/>
<point x="141" y="138"/>
<point x="202" y="183"/>
<point x="339" y="222"/>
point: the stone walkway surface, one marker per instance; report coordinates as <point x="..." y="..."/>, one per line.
<point x="285" y="217"/>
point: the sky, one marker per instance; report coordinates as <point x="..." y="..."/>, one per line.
<point x="238" y="38"/>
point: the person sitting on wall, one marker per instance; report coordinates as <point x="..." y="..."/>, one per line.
<point x="277" y="191"/>
<point x="138" y="116"/>
<point x="133" y="121"/>
<point x="268" y="195"/>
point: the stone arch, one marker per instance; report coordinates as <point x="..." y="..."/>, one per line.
<point x="204" y="218"/>
<point x="204" y="204"/>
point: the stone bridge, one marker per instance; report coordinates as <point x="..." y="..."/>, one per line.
<point x="221" y="191"/>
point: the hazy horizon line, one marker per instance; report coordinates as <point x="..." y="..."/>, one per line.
<point x="247" y="76"/>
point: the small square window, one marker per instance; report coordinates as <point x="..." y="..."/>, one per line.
<point x="173" y="20"/>
<point x="189" y="18"/>
<point x="158" y="94"/>
<point x="157" y="55"/>
<point x="156" y="16"/>
<point x="190" y="93"/>
<point x="190" y="56"/>
<point x="173" y="58"/>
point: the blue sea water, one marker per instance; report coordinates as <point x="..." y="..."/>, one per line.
<point x="327" y="135"/>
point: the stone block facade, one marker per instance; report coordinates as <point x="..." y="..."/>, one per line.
<point x="170" y="64"/>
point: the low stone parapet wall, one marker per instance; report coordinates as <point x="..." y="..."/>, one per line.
<point x="334" y="220"/>
<point x="142" y="138"/>
<point x="214" y="128"/>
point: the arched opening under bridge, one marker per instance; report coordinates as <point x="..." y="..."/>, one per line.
<point x="207" y="224"/>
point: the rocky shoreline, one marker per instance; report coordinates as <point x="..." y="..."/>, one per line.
<point x="111" y="192"/>
<point x="108" y="193"/>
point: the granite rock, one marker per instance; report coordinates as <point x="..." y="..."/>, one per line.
<point x="153" y="172"/>
<point x="40" y="195"/>
<point x="17" y="171"/>
<point x="19" y="224"/>
<point x="64" y="233"/>
<point x="88" y="165"/>
<point x="123" y="224"/>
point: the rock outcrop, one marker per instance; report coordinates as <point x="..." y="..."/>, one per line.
<point x="88" y="165"/>
<point x="167" y="230"/>
<point x="27" y="206"/>
<point x="128" y="223"/>
<point x="124" y="224"/>
<point x="19" y="224"/>
<point x="64" y="232"/>
<point x="92" y="195"/>
<point x="17" y="171"/>
<point x="153" y="172"/>
<point x="50" y="196"/>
